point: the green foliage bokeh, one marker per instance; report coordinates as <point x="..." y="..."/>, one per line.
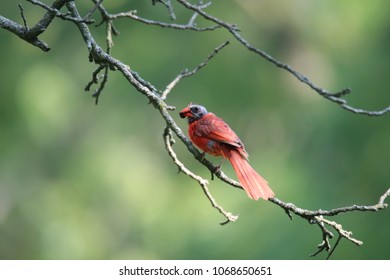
<point x="79" y="181"/>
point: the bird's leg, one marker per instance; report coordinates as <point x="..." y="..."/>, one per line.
<point x="216" y="170"/>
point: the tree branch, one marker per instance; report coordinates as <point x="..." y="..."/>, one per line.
<point x="169" y="141"/>
<point x="30" y="35"/>
<point x="23" y="33"/>
<point x="54" y="12"/>
<point x="189" y="26"/>
<point x="168" y="5"/>
<point x="317" y="217"/>
<point x="185" y="73"/>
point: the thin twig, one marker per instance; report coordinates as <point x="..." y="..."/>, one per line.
<point x="339" y="228"/>
<point x="381" y="203"/>
<point x="99" y="90"/>
<point x="190" y="26"/>
<point x="105" y="17"/>
<point x="326" y="235"/>
<point x="185" y="73"/>
<point x="109" y="41"/>
<point x="95" y="78"/>
<point x="92" y="11"/>
<point x="60" y="15"/>
<point x="334" y="247"/>
<point x="170" y="10"/>
<point x="168" y="5"/>
<point x="23" y="17"/>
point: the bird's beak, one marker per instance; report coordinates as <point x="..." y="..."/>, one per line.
<point x="186" y="112"/>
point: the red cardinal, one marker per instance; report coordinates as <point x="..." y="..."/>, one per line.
<point x="212" y="135"/>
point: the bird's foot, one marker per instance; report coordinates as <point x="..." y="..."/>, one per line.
<point x="202" y="156"/>
<point x="216" y="170"/>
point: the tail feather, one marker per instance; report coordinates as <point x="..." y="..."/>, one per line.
<point x="255" y="186"/>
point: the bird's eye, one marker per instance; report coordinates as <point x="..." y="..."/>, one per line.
<point x="195" y="109"/>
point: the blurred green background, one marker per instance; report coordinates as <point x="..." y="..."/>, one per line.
<point x="79" y="181"/>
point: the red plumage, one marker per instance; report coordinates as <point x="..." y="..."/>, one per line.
<point x="213" y="136"/>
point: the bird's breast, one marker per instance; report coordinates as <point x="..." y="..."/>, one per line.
<point x="205" y="144"/>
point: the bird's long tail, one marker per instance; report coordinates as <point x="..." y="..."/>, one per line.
<point x="254" y="185"/>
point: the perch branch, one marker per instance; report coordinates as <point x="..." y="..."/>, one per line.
<point x="169" y="141"/>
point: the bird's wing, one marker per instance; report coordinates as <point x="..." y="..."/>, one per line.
<point x="215" y="129"/>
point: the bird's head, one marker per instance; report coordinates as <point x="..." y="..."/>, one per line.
<point x="193" y="112"/>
